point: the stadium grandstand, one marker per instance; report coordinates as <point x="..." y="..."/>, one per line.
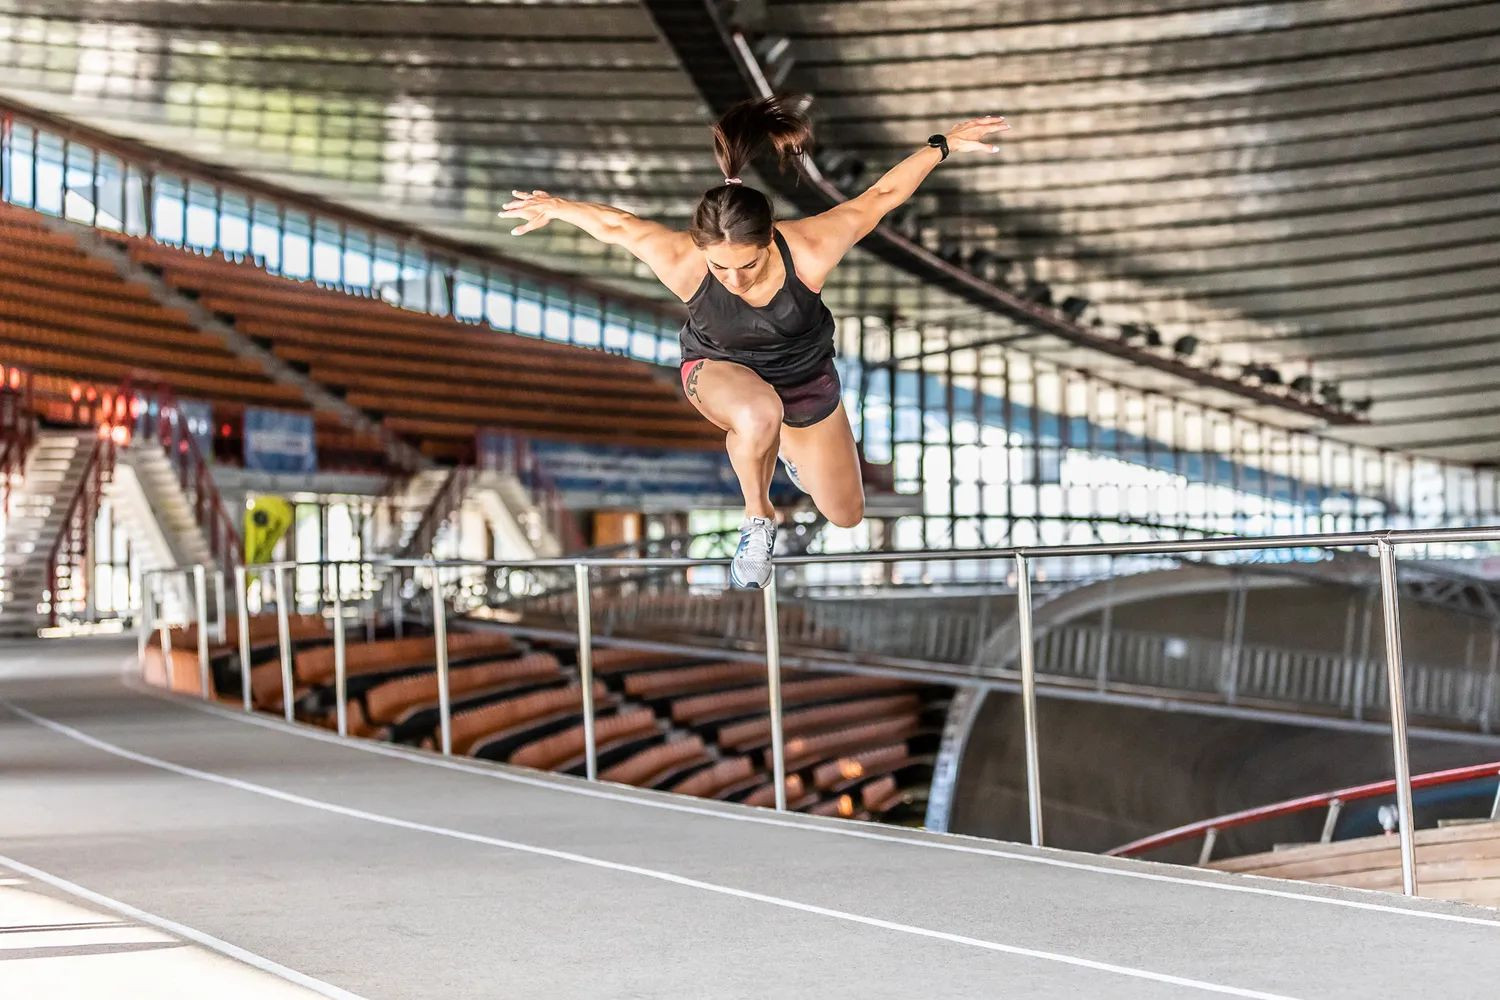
<point x="617" y="498"/>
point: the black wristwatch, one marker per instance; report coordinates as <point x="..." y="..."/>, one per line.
<point x="939" y="141"/>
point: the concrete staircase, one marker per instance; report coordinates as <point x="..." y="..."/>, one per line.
<point x="151" y="507"/>
<point x="38" y="510"/>
<point x="151" y="502"/>
<point x="410" y="504"/>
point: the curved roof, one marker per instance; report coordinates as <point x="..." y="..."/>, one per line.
<point x="1308" y="183"/>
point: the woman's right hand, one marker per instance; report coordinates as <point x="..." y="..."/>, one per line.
<point x="537" y="207"/>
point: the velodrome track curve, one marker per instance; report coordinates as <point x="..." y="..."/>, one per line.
<point x="370" y="871"/>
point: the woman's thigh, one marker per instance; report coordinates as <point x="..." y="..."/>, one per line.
<point x="731" y="396"/>
<point x="827" y="464"/>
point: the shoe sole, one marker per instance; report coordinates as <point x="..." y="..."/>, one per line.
<point x="738" y="584"/>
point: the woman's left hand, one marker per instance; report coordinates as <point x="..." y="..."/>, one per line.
<point x="536" y="207"/>
<point x="975" y="135"/>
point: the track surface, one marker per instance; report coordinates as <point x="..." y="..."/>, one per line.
<point x="395" y="875"/>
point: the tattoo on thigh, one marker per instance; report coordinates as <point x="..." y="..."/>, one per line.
<point x="692" y="380"/>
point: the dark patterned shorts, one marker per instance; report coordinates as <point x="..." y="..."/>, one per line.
<point x="802" y="405"/>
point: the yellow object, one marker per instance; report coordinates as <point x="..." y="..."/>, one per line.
<point x="267" y="521"/>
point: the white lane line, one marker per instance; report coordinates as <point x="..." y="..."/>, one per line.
<point x="183" y="931"/>
<point x="651" y="873"/>
<point x="666" y="801"/>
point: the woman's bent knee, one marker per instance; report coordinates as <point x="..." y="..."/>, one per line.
<point x="847" y="514"/>
<point x="758" y="421"/>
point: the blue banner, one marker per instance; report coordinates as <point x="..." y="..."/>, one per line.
<point x="279" y="441"/>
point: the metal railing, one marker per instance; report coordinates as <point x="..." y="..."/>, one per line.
<point x="1334" y="802"/>
<point x="1024" y="561"/>
<point x="152" y="413"/>
<point x="69" y="588"/>
<point x="17" y="428"/>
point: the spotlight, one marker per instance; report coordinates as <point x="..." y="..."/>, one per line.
<point x="1039" y="292"/>
<point x="1269" y="375"/>
<point x="1361" y="406"/>
<point x="1330" y="393"/>
<point x="1153" y="335"/>
<point x="1074" y="306"/>
<point x="1304" y="385"/>
<point x="1185" y="345"/>
<point x="1130" y="331"/>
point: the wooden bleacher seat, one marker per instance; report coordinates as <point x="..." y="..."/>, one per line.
<point x="686" y="680"/>
<point x="565" y="749"/>
<point x="470" y="728"/>
<point x="315" y="666"/>
<point x="754" y="733"/>
<point x="718" y="780"/>
<point x="449" y="378"/>
<point x="798" y="797"/>
<point x="806" y="751"/>
<point x="391" y="701"/>
<point x="655" y="765"/>
<point x="619" y="661"/>
<point x="1458" y="862"/>
<point x="710" y="707"/>
<point x="860" y="765"/>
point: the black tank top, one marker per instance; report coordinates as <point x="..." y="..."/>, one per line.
<point x="787" y="341"/>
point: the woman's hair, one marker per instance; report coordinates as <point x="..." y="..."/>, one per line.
<point x="732" y="212"/>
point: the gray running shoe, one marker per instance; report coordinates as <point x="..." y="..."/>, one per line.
<point x="751" y="567"/>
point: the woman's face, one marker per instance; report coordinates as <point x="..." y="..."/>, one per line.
<point x="737" y="265"/>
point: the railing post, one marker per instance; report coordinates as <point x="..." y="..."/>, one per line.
<point x="773" y="690"/>
<point x="1394" y="678"/>
<point x="143" y="621"/>
<point x="398" y="624"/>
<point x="1028" y="698"/>
<point x="1335" y="806"/>
<point x="222" y="630"/>
<point x="586" y="668"/>
<point x="243" y="625"/>
<point x="200" y="604"/>
<point x="440" y="644"/>
<point x="284" y="643"/>
<point x="1210" y="838"/>
<point x="169" y="671"/>
<point x="340" y="663"/>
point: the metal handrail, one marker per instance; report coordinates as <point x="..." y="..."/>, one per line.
<point x="1024" y="558"/>
<point x="78" y="517"/>
<point x="1224" y="543"/>
<point x="17" y="427"/>
<point x="1334" y="801"/>
<point x="194" y="474"/>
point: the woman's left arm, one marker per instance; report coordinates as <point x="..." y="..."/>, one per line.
<point x="829" y="236"/>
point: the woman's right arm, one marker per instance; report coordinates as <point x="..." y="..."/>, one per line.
<point x="669" y="253"/>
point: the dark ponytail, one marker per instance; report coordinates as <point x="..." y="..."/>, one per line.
<point x="732" y="212"/>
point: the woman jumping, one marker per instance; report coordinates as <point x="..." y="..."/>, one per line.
<point x="757" y="348"/>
